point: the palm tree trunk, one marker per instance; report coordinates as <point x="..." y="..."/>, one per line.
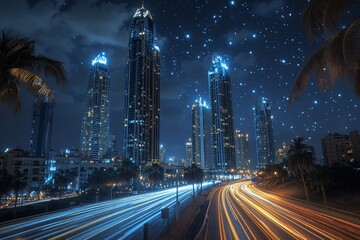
<point x="16" y="197"/>
<point x="323" y="192"/>
<point x="304" y="184"/>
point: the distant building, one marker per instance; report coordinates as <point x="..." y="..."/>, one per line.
<point x="282" y="153"/>
<point x="70" y="159"/>
<point x="142" y="91"/>
<point x="162" y="154"/>
<point x="265" y="145"/>
<point x="33" y="168"/>
<point x="342" y="149"/>
<point x="96" y="116"/>
<point x="201" y="134"/>
<point x="222" y="130"/>
<point x="189" y="153"/>
<point x="41" y="128"/>
<point x="242" y="150"/>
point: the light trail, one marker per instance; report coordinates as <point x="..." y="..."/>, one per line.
<point x="246" y="212"/>
<point x="115" y="219"/>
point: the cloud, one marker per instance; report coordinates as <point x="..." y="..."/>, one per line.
<point x="267" y="8"/>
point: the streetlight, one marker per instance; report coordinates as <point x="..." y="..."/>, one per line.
<point x="177" y="195"/>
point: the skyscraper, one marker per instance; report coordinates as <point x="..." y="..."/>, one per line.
<point x="242" y="150"/>
<point x="41" y="130"/>
<point x="265" y="145"/>
<point x="142" y="91"/>
<point x="189" y="153"/>
<point x="96" y="116"/>
<point x="222" y="131"/>
<point x="201" y="134"/>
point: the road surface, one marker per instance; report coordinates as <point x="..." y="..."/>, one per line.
<point x="242" y="211"/>
<point x="116" y="219"/>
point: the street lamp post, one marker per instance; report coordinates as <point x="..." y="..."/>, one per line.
<point x="177" y="196"/>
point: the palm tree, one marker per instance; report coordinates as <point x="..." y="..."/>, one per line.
<point x="5" y="182"/>
<point x="128" y="171"/>
<point x="19" y="183"/>
<point x="339" y="56"/>
<point x="193" y="174"/>
<point x="321" y="178"/>
<point x="19" y="66"/>
<point x="61" y="180"/>
<point x="155" y="173"/>
<point x="300" y="160"/>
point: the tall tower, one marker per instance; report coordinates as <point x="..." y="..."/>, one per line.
<point x="95" y="122"/>
<point x="142" y="91"/>
<point x="201" y="134"/>
<point x="242" y="150"/>
<point x="265" y="145"/>
<point x="41" y="130"/>
<point x="189" y="153"/>
<point x="222" y="131"/>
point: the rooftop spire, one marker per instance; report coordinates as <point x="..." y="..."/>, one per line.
<point x="142" y="3"/>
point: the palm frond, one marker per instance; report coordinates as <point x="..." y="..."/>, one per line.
<point x="335" y="59"/>
<point x="333" y="13"/>
<point x="49" y="67"/>
<point x="10" y="95"/>
<point x="33" y="82"/>
<point x="313" y="17"/>
<point x="314" y="65"/>
<point x="351" y="50"/>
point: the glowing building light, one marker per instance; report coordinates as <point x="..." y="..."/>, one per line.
<point x="100" y="59"/>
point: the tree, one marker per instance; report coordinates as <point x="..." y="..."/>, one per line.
<point x="339" y="56"/>
<point x="193" y="174"/>
<point x="5" y="182"/>
<point x="128" y="171"/>
<point x="19" y="183"/>
<point x="321" y="178"/>
<point x="300" y="160"/>
<point x="155" y="173"/>
<point x="62" y="179"/>
<point x="19" y="66"/>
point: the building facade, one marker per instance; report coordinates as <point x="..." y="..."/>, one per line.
<point x="41" y="127"/>
<point x="242" y="150"/>
<point x="96" y="116"/>
<point x="189" y="153"/>
<point x="33" y="168"/>
<point x="341" y="149"/>
<point x="265" y="145"/>
<point x="222" y="130"/>
<point x="201" y="134"/>
<point x="142" y="91"/>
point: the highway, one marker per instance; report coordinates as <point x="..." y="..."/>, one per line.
<point x="241" y="211"/>
<point x="116" y="219"/>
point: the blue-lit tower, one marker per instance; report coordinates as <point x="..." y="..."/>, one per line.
<point x="201" y="134"/>
<point x="41" y="127"/>
<point x="96" y="115"/>
<point x="142" y="91"/>
<point x="222" y="130"/>
<point x="265" y="145"/>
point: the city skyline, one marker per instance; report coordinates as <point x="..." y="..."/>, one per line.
<point x="263" y="40"/>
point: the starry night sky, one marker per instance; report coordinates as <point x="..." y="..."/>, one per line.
<point x="263" y="40"/>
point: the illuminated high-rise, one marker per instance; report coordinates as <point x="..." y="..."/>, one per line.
<point x="41" y="130"/>
<point x="94" y="141"/>
<point x="222" y="130"/>
<point x="265" y="145"/>
<point x="201" y="134"/>
<point x="242" y="150"/>
<point x="142" y="91"/>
